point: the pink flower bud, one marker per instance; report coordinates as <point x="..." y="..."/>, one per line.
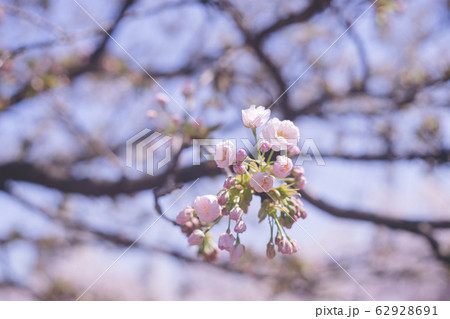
<point x="240" y="227"/>
<point x="285" y="247"/>
<point x="278" y="239"/>
<point x="304" y="214"/>
<point x="188" y="89"/>
<point x="177" y="120"/>
<point x="293" y="150"/>
<point x="224" y="211"/>
<point x="264" y="146"/>
<point x="270" y="251"/>
<point x="195" y="222"/>
<point x="151" y="114"/>
<point x="301" y="183"/>
<point x="295" y="246"/>
<point x="223" y="198"/>
<point x="196" y="238"/>
<point x="185" y="215"/>
<point x="239" y="168"/>
<point x="298" y="171"/>
<point x="161" y="99"/>
<point x="236" y="213"/>
<point x="211" y="255"/>
<point x="229" y="182"/>
<point x="226" y="241"/>
<point x="241" y="155"/>
<point x="237" y="252"/>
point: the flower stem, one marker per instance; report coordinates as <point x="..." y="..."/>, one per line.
<point x="212" y="225"/>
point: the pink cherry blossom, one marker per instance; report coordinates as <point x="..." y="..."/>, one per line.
<point x="207" y="208"/>
<point x="237" y="252"/>
<point x="280" y="134"/>
<point x="196" y="238"/>
<point x="262" y="182"/>
<point x="282" y="166"/>
<point x="225" y="154"/>
<point x="254" y="117"/>
<point x="240" y="227"/>
<point x="226" y="241"/>
<point x="185" y="215"/>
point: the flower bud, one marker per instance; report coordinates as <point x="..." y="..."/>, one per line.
<point x="210" y="252"/>
<point x="224" y="211"/>
<point x="304" y="214"/>
<point x="285" y="247"/>
<point x="151" y="114"/>
<point x="295" y="246"/>
<point x="278" y="239"/>
<point x="211" y="256"/>
<point x="223" y="198"/>
<point x="264" y="146"/>
<point x="188" y="89"/>
<point x="236" y="213"/>
<point x="185" y="215"/>
<point x="298" y="171"/>
<point x="196" y="238"/>
<point x="293" y="150"/>
<point x="229" y="182"/>
<point x="239" y="168"/>
<point x="177" y="120"/>
<point x="270" y="251"/>
<point x="240" y="227"/>
<point x="237" y="252"/>
<point x="301" y="183"/>
<point x="195" y="222"/>
<point x="226" y="241"/>
<point x="241" y="155"/>
<point x="161" y="99"/>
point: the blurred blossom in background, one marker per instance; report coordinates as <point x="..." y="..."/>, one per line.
<point x="376" y="104"/>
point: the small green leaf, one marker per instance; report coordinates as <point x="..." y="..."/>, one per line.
<point x="264" y="210"/>
<point x="246" y="198"/>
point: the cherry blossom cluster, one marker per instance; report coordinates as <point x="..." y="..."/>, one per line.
<point x="271" y="175"/>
